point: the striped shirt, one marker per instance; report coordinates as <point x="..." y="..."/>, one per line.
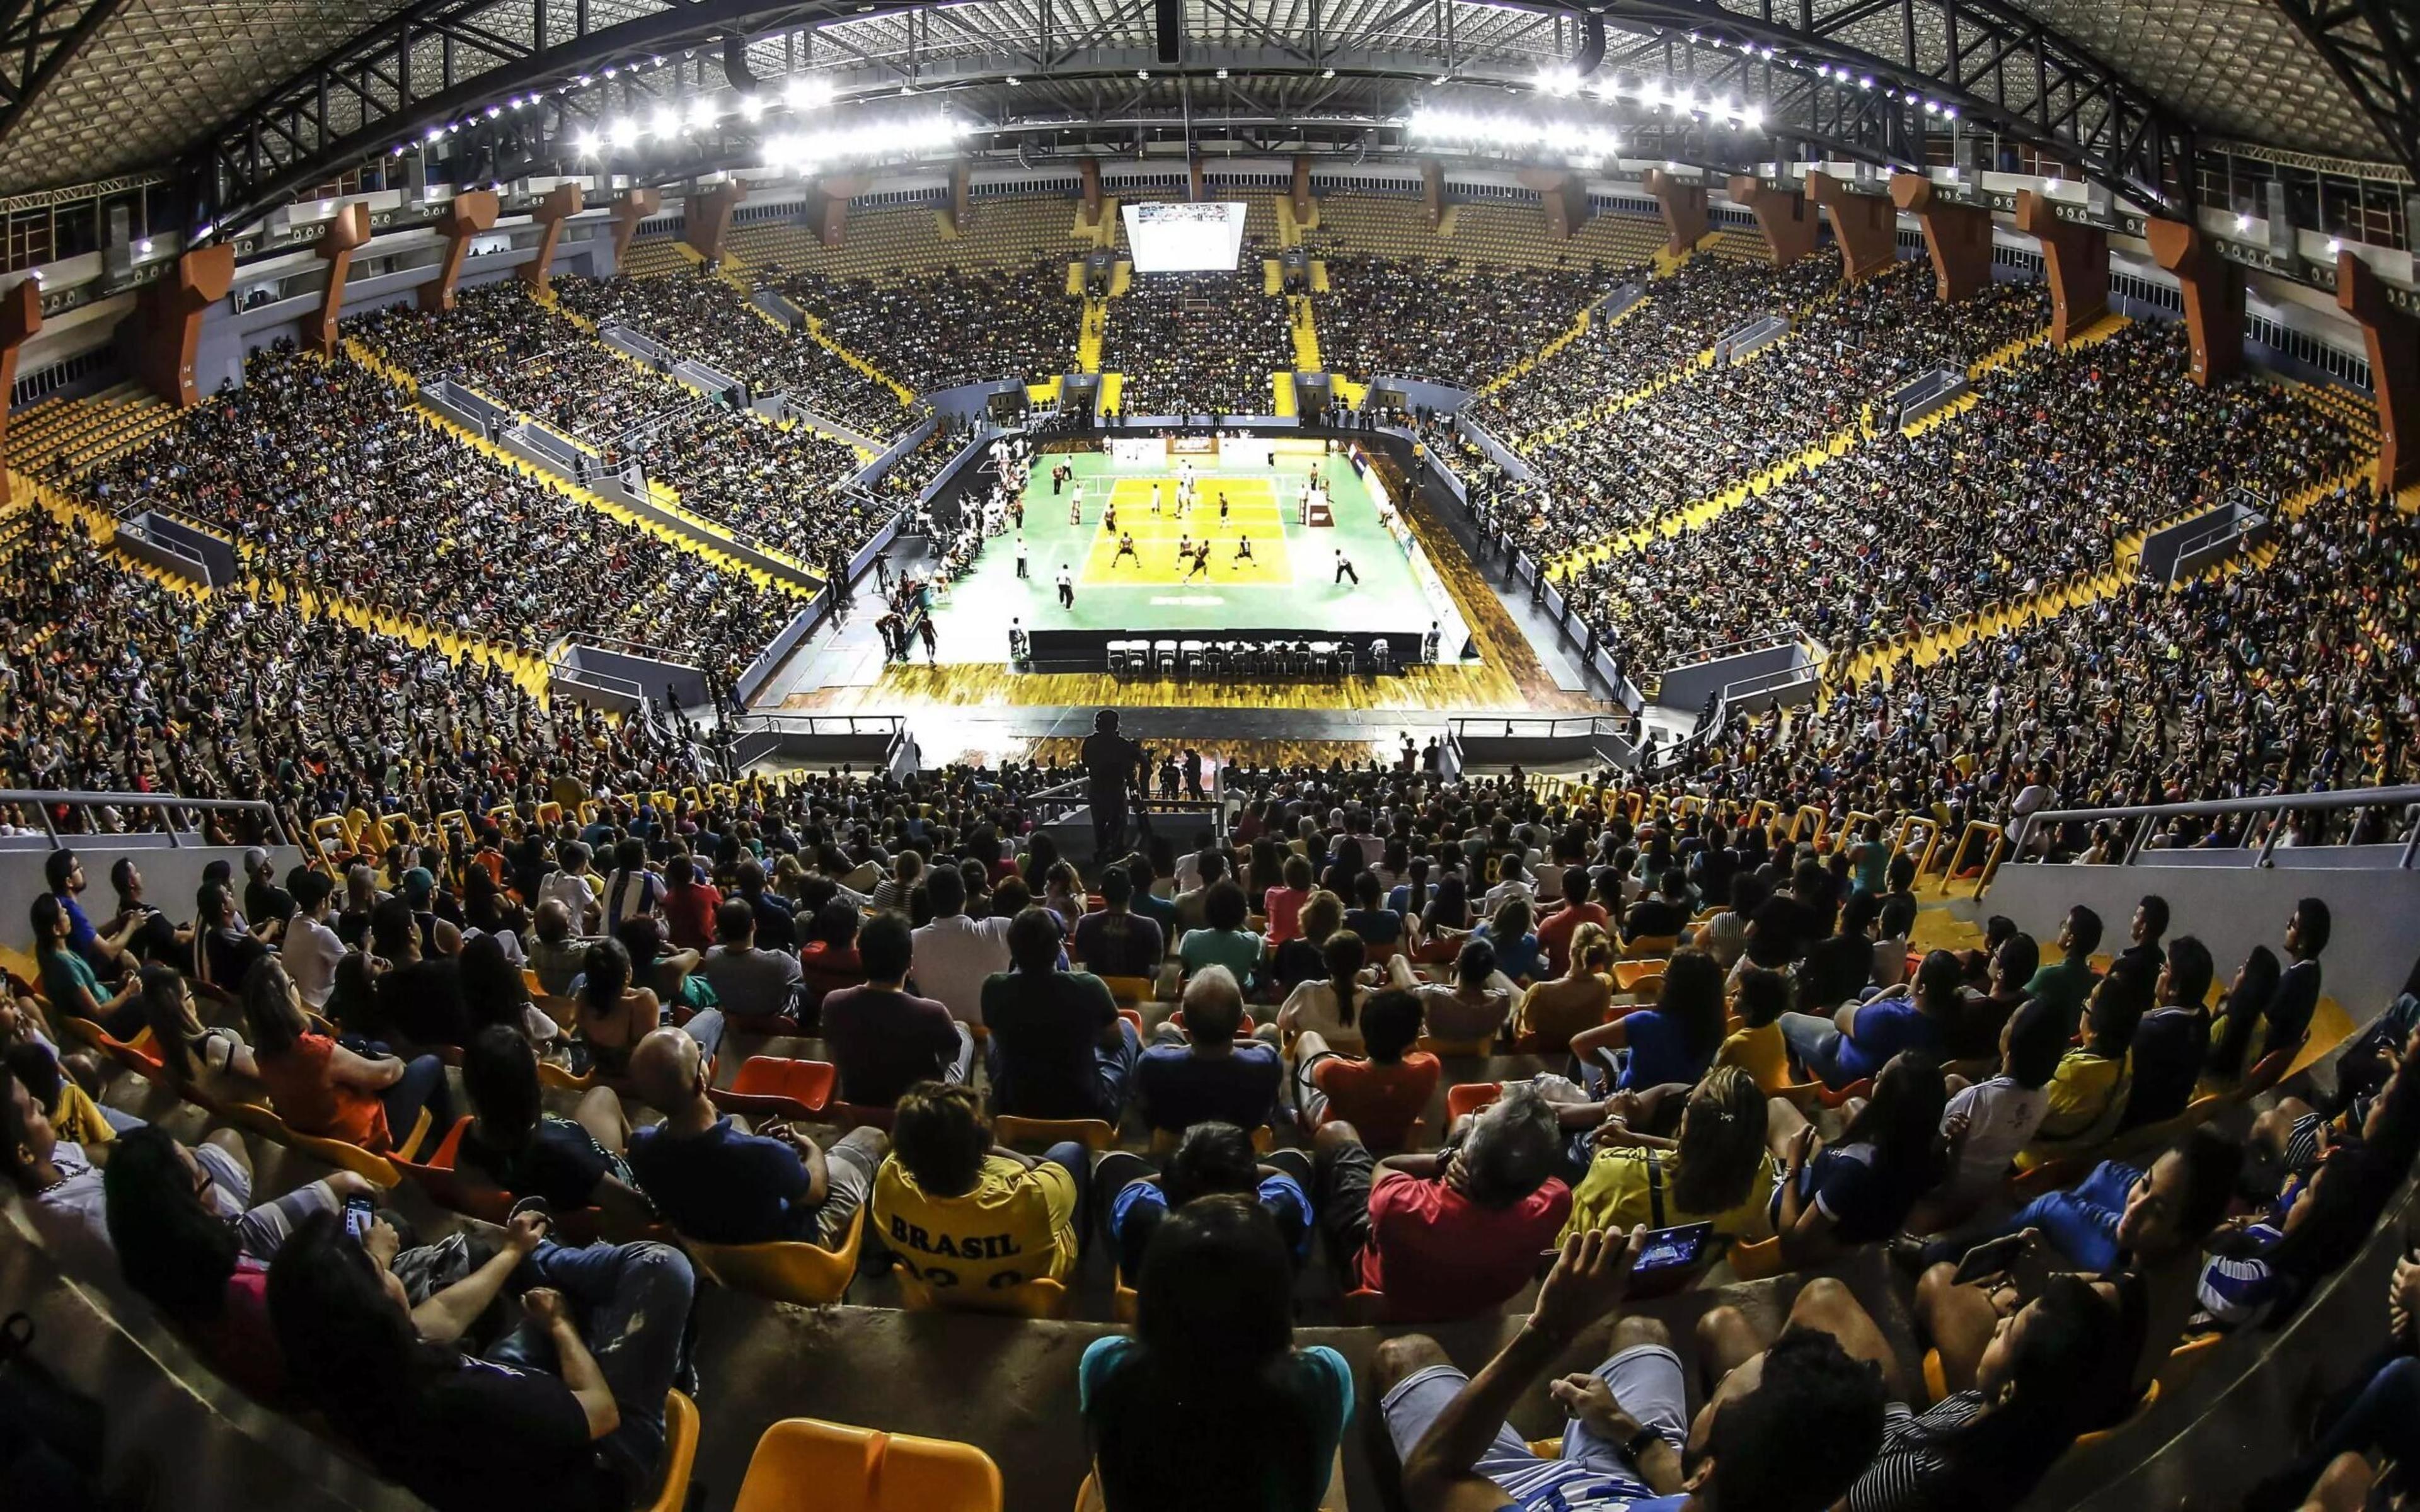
<point x="1906" y="1470"/>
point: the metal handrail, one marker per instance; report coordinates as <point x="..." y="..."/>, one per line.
<point x="2284" y="803"/>
<point x="820" y="724"/>
<point x="168" y="803"/>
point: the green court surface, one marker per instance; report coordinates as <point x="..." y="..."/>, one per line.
<point x="1288" y="583"/>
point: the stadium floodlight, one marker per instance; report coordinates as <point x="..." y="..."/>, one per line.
<point x="2243" y="222"/>
<point x="664" y="123"/>
<point x="803" y="93"/>
<point x="624" y="132"/>
<point x="1753" y="119"/>
<point x="1560" y="83"/>
<point x="2336" y="245"/>
<point x="703" y="114"/>
<point x="585" y="143"/>
<point x="752" y="106"/>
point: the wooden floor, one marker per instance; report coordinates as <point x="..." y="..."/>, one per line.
<point x="1064" y="750"/>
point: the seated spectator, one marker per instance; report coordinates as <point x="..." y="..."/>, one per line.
<point x="566" y="1412"/>
<point x="775" y="928"/>
<point x="419" y="995"/>
<point x="1213" y="1347"/>
<point x="320" y="1088"/>
<point x="1379" y="927"/>
<point x="515" y="1146"/>
<point x="1222" y="940"/>
<point x="714" y="1181"/>
<point x="1443" y="922"/>
<point x="1724" y="935"/>
<point x="1786" y="923"/>
<point x="1557" y="931"/>
<point x="1213" y="1159"/>
<point x="956" y="955"/>
<point x="1674" y="1042"/>
<point x="215" y="1060"/>
<point x="2145" y="956"/>
<point x="2372" y="1416"/>
<point x="2286" y="1019"/>
<point x="2067" y="983"/>
<point x="667" y="970"/>
<point x="829" y="959"/>
<point x="614" y="1013"/>
<point x="1846" y="1047"/>
<point x="689" y="906"/>
<point x="1788" y="1430"/>
<point x="495" y="994"/>
<point x="1282" y="905"/>
<point x="1472" y="1007"/>
<point x="1859" y="1189"/>
<point x="966" y="1216"/>
<point x="1383" y="1095"/>
<point x="1200" y="1074"/>
<point x="2171" y="1043"/>
<point x="557" y="955"/>
<point x="1974" y="1030"/>
<point x="1551" y="1012"/>
<point x="104" y="955"/>
<point x="1059" y="1049"/>
<point x="1757" y="1047"/>
<point x="1661" y="916"/>
<point x="1451" y="1233"/>
<point x="2256" y="1275"/>
<point x="1329" y="1006"/>
<point x="67" y="978"/>
<point x="1117" y="941"/>
<point x="884" y="1038"/>
<point x="1715" y="1170"/>
<point x="310" y="947"/>
<point x="2255" y="985"/>
<point x="750" y="983"/>
<point x="1304" y="957"/>
<point x="575" y="887"/>
<point x="1990" y="1120"/>
<point x="2087" y="1092"/>
<point x="1838" y="967"/>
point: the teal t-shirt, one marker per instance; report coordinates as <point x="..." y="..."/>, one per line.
<point x="63" y="972"/>
<point x="1136" y="1462"/>
<point x="1238" y="950"/>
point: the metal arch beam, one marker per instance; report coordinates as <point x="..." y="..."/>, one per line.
<point x="2373" y="46"/>
<point x="35" y="49"/>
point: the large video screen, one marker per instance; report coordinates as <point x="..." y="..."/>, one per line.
<point x="1184" y="237"/>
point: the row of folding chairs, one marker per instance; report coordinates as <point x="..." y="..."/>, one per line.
<point x="1242" y="659"/>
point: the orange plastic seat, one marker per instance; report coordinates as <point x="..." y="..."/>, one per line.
<point x="680" y="1454"/>
<point x="1638" y="975"/>
<point x="1093" y="1134"/>
<point x="784" y="1271"/>
<point x="2266" y="1072"/>
<point x="1469" y="1097"/>
<point x="1134" y="1017"/>
<point x="803" y="1464"/>
<point x="376" y="1170"/>
<point x="1164" y="1141"/>
<point x="776" y="1086"/>
<point x="1039" y="1298"/>
<point x="1758" y="1260"/>
<point x="2151" y="1398"/>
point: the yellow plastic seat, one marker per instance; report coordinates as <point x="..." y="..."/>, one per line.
<point x="794" y="1271"/>
<point x="1093" y="1134"/>
<point x="680" y="1454"/>
<point x="803" y="1464"/>
<point x="1758" y="1260"/>
<point x="1038" y="1298"/>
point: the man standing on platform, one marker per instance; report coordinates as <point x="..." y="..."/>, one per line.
<point x="1109" y="764"/>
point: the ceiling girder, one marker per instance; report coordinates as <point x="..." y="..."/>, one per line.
<point x="2374" y="47"/>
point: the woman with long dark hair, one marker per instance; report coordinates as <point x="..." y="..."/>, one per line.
<point x="1859" y="1190"/>
<point x="1208" y="1405"/>
<point x="191" y="1052"/>
<point x="1676" y="1041"/>
<point x="2239" y="1016"/>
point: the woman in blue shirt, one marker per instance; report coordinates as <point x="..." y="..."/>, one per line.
<point x="1516" y="942"/>
<point x="1673" y="1042"/>
<point x="1208" y="1406"/>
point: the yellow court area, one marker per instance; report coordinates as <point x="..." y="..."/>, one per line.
<point x="1252" y="511"/>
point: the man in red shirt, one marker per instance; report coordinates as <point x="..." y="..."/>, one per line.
<point x="1554" y="933"/>
<point x="1453" y="1233"/>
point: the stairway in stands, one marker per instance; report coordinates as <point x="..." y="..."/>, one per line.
<point x="74" y="435"/>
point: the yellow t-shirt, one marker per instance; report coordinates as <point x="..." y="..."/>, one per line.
<point x="1016" y="1226"/>
<point x="1617" y="1196"/>
<point x="75" y="1118"/>
<point x="2078" y="1094"/>
<point x="1760" y="1053"/>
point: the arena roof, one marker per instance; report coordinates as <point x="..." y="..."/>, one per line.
<point x="93" y="87"/>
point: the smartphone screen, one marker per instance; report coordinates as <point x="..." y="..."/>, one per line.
<point x="1664" y="1249"/>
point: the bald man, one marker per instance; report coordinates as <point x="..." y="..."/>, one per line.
<point x="713" y="1181"/>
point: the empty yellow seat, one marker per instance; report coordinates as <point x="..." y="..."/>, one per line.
<point x="802" y="1464"/>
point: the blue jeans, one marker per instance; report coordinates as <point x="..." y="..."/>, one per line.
<point x="1817" y="1045"/>
<point x="631" y="1303"/>
<point x="1647" y="1380"/>
<point x="705" y="1027"/>
<point x="2080" y="1223"/>
<point x="421" y="1085"/>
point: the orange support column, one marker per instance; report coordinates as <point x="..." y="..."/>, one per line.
<point x="962" y="193"/>
<point x="1865" y="225"/>
<point x="347" y="230"/>
<point x="2393" y="337"/>
<point x="2077" y="256"/>
<point x="1788" y="222"/>
<point x="1432" y="192"/>
<point x="1684" y="210"/>
<point x="1193" y="178"/>
<point x="1090" y="170"/>
<point x="1957" y="237"/>
<point x="562" y="202"/>
<point x="2213" y="290"/>
<point x="1563" y="196"/>
<point x="1301" y="191"/>
<point x="466" y="215"/>
<point x="168" y="321"/>
<point x="707" y="217"/>
<point x="634" y="205"/>
<point x="20" y="316"/>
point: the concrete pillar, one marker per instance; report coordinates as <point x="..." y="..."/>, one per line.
<point x="167" y="321"/>
<point x="1865" y="225"/>
<point x="466" y="214"/>
<point x="562" y="202"/>
<point x="1957" y="237"/>
<point x="2393" y="338"/>
<point x="706" y="217"/>
<point x="347" y="230"/>
<point x="2077" y="256"/>
<point x="1301" y="193"/>
<point x="1684" y="210"/>
<point x="2213" y="290"/>
<point x="1788" y="222"/>
<point x="1563" y="196"/>
<point x="962" y="190"/>
<point x="827" y="208"/>
<point x="1193" y="179"/>
<point x="634" y="205"/>
<point x="20" y="316"/>
<point x="1090" y="170"/>
<point x="1432" y="192"/>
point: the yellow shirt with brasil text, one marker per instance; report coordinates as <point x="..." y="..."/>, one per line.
<point x="1015" y="1225"/>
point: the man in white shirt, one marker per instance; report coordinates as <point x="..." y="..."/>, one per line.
<point x="1512" y="882"/>
<point x="312" y="949"/>
<point x="575" y="886"/>
<point x="1998" y="1116"/>
<point x="956" y="954"/>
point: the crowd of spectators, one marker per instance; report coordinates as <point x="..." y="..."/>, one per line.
<point x="1448" y="322"/>
<point x="2063" y="454"/>
<point x="320" y="471"/>
<point x="701" y="316"/>
<point x="960" y="325"/>
<point x="1197" y="343"/>
<point x="779" y="484"/>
